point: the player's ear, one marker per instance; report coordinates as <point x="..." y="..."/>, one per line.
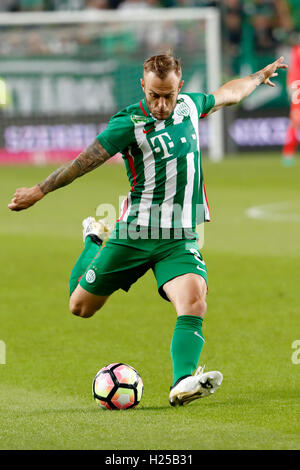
<point x="180" y="84"/>
<point x="142" y="84"/>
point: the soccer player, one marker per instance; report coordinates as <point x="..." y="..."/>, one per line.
<point x="293" y="85"/>
<point x="159" y="140"/>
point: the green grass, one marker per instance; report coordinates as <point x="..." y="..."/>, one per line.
<point x="252" y="320"/>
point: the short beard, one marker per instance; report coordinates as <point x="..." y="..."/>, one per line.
<point x="149" y="107"/>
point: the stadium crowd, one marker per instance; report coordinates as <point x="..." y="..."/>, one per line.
<point x="263" y="24"/>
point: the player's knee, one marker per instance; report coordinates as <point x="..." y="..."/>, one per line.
<point x="198" y="307"/>
<point x="80" y="309"/>
<point x="192" y="305"/>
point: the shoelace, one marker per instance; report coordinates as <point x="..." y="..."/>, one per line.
<point x="200" y="370"/>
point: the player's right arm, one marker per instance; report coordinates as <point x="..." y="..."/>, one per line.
<point x="89" y="159"/>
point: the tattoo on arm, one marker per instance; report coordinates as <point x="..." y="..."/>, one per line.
<point x="89" y="159"/>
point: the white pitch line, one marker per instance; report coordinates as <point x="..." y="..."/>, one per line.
<point x="276" y="212"/>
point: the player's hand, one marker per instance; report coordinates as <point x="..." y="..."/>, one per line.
<point x="25" y="197"/>
<point x="270" y="70"/>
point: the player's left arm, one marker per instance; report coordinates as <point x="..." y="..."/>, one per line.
<point x="236" y="90"/>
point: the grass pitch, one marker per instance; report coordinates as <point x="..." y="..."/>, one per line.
<point x="251" y="323"/>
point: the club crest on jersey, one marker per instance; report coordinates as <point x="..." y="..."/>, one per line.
<point x="182" y="109"/>
<point x="90" y="276"/>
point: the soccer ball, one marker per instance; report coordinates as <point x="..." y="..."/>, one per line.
<point x="117" y="386"/>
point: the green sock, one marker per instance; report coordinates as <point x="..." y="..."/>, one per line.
<point x="186" y="345"/>
<point x="91" y="248"/>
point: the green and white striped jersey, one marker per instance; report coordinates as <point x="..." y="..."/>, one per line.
<point x="163" y="162"/>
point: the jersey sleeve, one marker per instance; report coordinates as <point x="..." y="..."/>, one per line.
<point x="203" y="102"/>
<point x="118" y="134"/>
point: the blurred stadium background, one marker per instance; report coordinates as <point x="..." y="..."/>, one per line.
<point x="61" y="82"/>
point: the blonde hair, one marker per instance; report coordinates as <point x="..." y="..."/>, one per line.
<point x="162" y="65"/>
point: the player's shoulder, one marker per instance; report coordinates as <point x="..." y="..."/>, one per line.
<point x="202" y="103"/>
<point x="195" y="96"/>
<point x="129" y="112"/>
<point x="198" y="99"/>
<point x="185" y="93"/>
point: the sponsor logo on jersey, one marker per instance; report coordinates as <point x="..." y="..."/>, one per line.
<point x="162" y="143"/>
<point x="146" y="131"/>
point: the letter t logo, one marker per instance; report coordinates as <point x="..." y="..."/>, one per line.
<point x="163" y="144"/>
